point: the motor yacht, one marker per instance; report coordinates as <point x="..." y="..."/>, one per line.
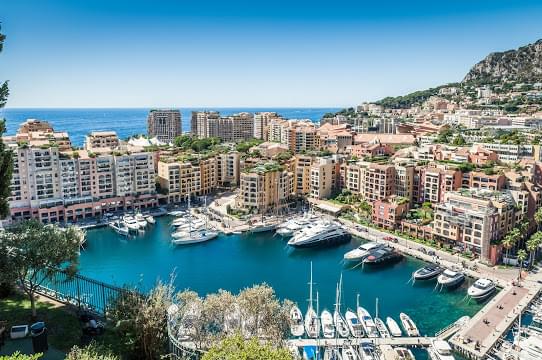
<point x="322" y="234"/>
<point x="481" y="289"/>
<point x="395" y="330"/>
<point x="177" y="213"/>
<point x="328" y="328"/>
<point x="263" y="226"/>
<point x="349" y="353"/>
<point x="288" y="228"/>
<point x="409" y="325"/>
<point x="354" y="325"/>
<point x="384" y="255"/>
<point x="449" y="278"/>
<point x="119" y="228"/>
<point x="428" y="272"/>
<point x="402" y="353"/>
<point x="193" y="237"/>
<point x="141" y="220"/>
<point x="296" y="322"/>
<point x="382" y="329"/>
<point x="367" y="322"/>
<point x="362" y="251"/>
<point x="194" y="225"/>
<point x="130" y="223"/>
<point x="440" y="350"/>
<point x="367" y="351"/>
<point x="150" y="219"/>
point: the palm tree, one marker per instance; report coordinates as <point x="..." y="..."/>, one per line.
<point x="532" y="245"/>
<point x="508" y="242"/>
<point x="522" y="255"/>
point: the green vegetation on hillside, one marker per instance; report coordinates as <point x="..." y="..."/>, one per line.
<point x="412" y="99"/>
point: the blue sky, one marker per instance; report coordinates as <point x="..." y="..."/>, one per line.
<point x="116" y="53"/>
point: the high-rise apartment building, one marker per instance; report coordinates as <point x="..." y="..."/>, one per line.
<point x="261" y="121"/>
<point x="234" y="128"/>
<point x="165" y="125"/>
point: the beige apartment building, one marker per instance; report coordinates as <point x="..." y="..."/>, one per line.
<point x="101" y="141"/>
<point x="302" y="174"/>
<point x="324" y="173"/>
<point x="298" y="135"/>
<point x="264" y="188"/>
<point x="165" y="125"/>
<point x="474" y="219"/>
<point x="55" y="187"/>
<point x="234" y="128"/>
<point x="372" y="181"/>
<point x="261" y="122"/>
<point x="228" y="168"/>
<point x="38" y="133"/>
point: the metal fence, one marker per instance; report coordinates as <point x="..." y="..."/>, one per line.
<point x="82" y="292"/>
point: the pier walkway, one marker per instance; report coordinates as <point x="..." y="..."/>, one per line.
<point x="394" y="341"/>
<point x="484" y="330"/>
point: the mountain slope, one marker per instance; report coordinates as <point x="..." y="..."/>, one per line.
<point x="521" y="65"/>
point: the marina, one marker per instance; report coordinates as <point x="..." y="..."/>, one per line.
<point x="416" y="322"/>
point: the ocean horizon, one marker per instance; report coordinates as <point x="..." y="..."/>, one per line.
<point x="78" y="122"/>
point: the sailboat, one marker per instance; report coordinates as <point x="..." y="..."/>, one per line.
<point x="338" y="319"/>
<point x="312" y="325"/>
<point x="382" y="329"/>
<point x="296" y="321"/>
<point x="367" y="321"/>
<point x="328" y="328"/>
<point x="354" y="324"/>
<point x="193" y="236"/>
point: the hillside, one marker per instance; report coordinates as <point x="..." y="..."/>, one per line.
<point x="521" y="65"/>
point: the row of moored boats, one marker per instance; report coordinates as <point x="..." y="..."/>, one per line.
<point x="131" y="224"/>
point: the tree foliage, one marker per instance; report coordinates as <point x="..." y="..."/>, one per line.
<point x="18" y="356"/>
<point x="30" y="251"/>
<point x="187" y="142"/>
<point x="238" y="348"/>
<point x="6" y="157"/>
<point x="91" y="352"/>
<point x="141" y="322"/>
<point x="254" y="312"/>
<point x="244" y="146"/>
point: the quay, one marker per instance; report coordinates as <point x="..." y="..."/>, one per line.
<point x="477" y="337"/>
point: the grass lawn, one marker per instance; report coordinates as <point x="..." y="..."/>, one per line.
<point x="63" y="325"/>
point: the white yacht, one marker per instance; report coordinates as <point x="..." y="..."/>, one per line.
<point x="409" y="325"/>
<point x="356" y="328"/>
<point x="130" y="223"/>
<point x="368" y="324"/>
<point x="367" y="351"/>
<point x="449" y="278"/>
<point x="395" y="330"/>
<point x="328" y="328"/>
<point x="296" y="322"/>
<point x="193" y="237"/>
<point x="119" y="228"/>
<point x="349" y="353"/>
<point x="332" y="353"/>
<point x="288" y="228"/>
<point x="141" y="220"/>
<point x="382" y="329"/>
<point x="361" y="252"/>
<point x="481" y="289"/>
<point x="321" y="234"/>
<point x="440" y="350"/>
<point x="194" y="225"/>
<point x="263" y="226"/>
<point x="150" y="219"/>
<point x="402" y="353"/>
<point x="340" y="324"/>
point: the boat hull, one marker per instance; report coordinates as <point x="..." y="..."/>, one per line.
<point x="337" y="240"/>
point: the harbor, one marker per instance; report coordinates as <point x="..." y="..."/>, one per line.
<point x="488" y="322"/>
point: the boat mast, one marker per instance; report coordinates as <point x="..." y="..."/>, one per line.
<point x="310" y="290"/>
<point x="376" y="312"/>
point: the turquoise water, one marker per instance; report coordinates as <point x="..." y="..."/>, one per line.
<point x="233" y="262"/>
<point x="126" y="122"/>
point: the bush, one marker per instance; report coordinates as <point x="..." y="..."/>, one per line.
<point x="91" y="352"/>
<point x="236" y="347"/>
